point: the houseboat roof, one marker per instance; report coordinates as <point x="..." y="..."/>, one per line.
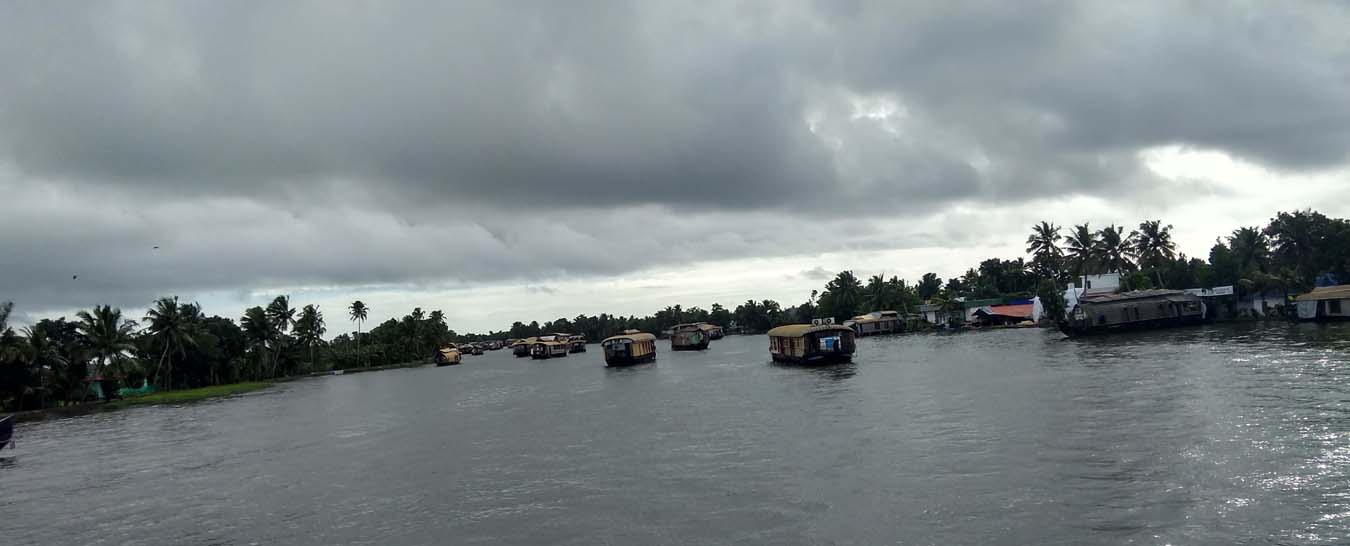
<point x="1023" y="310"/>
<point x="799" y="330"/>
<point x="448" y="350"/>
<point x="708" y="326"/>
<point x="634" y="335"/>
<point x="1340" y="292"/>
<point x="1170" y="295"/>
<point x="524" y="341"/>
<point x="876" y="316"/>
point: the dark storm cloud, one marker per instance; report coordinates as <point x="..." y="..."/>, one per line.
<point x="317" y="143"/>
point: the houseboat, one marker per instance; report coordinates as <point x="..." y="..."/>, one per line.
<point x="6" y="430"/>
<point x="714" y="331"/>
<point x="630" y="347"/>
<point x="811" y="343"/>
<point x="549" y="346"/>
<point x="876" y="323"/>
<point x="448" y="355"/>
<point x="1325" y="303"/>
<point x="521" y="347"/>
<point x="1136" y="310"/>
<point x="577" y="344"/>
<point x="475" y="349"/>
<point x="688" y="337"/>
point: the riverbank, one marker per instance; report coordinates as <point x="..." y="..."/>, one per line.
<point x="170" y="397"/>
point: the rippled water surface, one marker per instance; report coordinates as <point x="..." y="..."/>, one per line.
<point x="1215" y="435"/>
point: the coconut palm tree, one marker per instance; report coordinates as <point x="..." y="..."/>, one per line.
<point x="843" y="296"/>
<point x="309" y="329"/>
<point x="1044" y="240"/>
<point x="261" y="334"/>
<point x="1114" y="249"/>
<point x="282" y="317"/>
<point x="1153" y="245"/>
<point x="43" y="355"/>
<point x="170" y="330"/>
<point x="358" y="312"/>
<point x="109" y="337"/>
<point x="1082" y="246"/>
<point x="1251" y="248"/>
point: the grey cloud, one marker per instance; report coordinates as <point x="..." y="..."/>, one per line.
<point x="816" y="273"/>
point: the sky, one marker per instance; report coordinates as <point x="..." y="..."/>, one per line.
<point x="505" y="160"/>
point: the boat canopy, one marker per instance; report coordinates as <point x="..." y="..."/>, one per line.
<point x="633" y="336"/>
<point x="1341" y="292"/>
<point x="799" y="330"/>
<point x="1168" y="295"/>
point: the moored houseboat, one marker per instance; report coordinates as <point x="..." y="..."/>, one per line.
<point x="549" y="346"/>
<point x="630" y="347"/>
<point x="688" y="337"/>
<point x="876" y="323"/>
<point x="521" y="347"/>
<point x="1136" y="310"/>
<point x="1325" y="303"/>
<point x="811" y="343"/>
<point x="714" y="331"/>
<point x="6" y="430"/>
<point x="577" y="344"/>
<point x="448" y="355"/>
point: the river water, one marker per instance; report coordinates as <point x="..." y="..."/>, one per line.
<point x="1214" y="435"/>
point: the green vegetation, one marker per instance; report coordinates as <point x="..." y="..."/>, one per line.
<point x="45" y="364"/>
<point x="190" y="395"/>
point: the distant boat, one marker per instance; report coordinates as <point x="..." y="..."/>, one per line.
<point x="1135" y="310"/>
<point x="521" y="347"/>
<point x="811" y="343"/>
<point x="1325" y="303"/>
<point x="6" y="431"/>
<point x="577" y="344"/>
<point x="628" y="348"/>
<point x="714" y="331"/>
<point x="448" y="355"/>
<point x="876" y="323"/>
<point x="550" y="346"/>
<point x="689" y="337"/>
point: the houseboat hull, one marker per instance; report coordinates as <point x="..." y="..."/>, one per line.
<point x="548" y="353"/>
<point x="690" y="347"/>
<point x="813" y="360"/>
<point x="577" y="348"/>
<point x="623" y="360"/>
<point x="521" y="350"/>
<point x="1072" y="330"/>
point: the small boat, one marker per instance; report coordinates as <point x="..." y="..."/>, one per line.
<point x="6" y="431"/>
<point x="689" y="337"/>
<point x="1135" y="310"/>
<point x="549" y="346"/>
<point x="448" y="355"/>
<point x="811" y="343"/>
<point x="1324" y="304"/>
<point x="630" y="347"/>
<point x="521" y="347"/>
<point x="577" y="344"/>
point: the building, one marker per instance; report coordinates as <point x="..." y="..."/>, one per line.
<point x="1325" y="303"/>
<point x="1013" y="312"/>
<point x="876" y="323"/>
<point x="935" y="313"/>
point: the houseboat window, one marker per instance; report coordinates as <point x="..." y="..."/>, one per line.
<point x="1334" y="307"/>
<point x="829" y="344"/>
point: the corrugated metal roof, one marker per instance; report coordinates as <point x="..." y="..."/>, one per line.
<point x="1023" y="310"/>
<point x="1340" y="292"/>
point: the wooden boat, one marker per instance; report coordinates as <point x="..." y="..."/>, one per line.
<point x="448" y="355"/>
<point x="475" y="349"/>
<point x="522" y="346"/>
<point x="1135" y="310"/>
<point x="811" y="343"/>
<point x="549" y="346"/>
<point x="688" y="337"/>
<point x="630" y="347"/>
<point x="577" y="344"/>
<point x="714" y="331"/>
<point x="6" y="431"/>
<point x="1324" y="304"/>
<point x="877" y="323"/>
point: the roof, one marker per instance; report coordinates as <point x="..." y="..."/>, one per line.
<point x="524" y="341"/>
<point x="448" y="350"/>
<point x="1022" y="310"/>
<point x="1171" y="295"/>
<point x="698" y="325"/>
<point x="799" y="330"/>
<point x="635" y="336"/>
<point x="708" y="326"/>
<point x="877" y="316"/>
<point x="1340" y="292"/>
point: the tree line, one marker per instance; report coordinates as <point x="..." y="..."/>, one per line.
<point x="175" y="345"/>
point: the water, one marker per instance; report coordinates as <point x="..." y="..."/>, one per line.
<point x="1216" y="435"/>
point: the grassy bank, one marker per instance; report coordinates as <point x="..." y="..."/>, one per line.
<point x="190" y="395"/>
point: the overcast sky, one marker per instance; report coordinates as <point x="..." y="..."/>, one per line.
<point x="530" y="160"/>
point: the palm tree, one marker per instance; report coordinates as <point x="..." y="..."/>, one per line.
<point x="169" y="328"/>
<point x="842" y="296"/>
<point x="282" y="316"/>
<point x="261" y="334"/>
<point x="1082" y="245"/>
<point x="358" y="312"/>
<point x="42" y="354"/>
<point x="108" y="336"/>
<point x="1251" y="248"/>
<point x="1113" y="249"/>
<point x="309" y="329"/>
<point x="1044" y="240"/>
<point x="1153" y="245"/>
